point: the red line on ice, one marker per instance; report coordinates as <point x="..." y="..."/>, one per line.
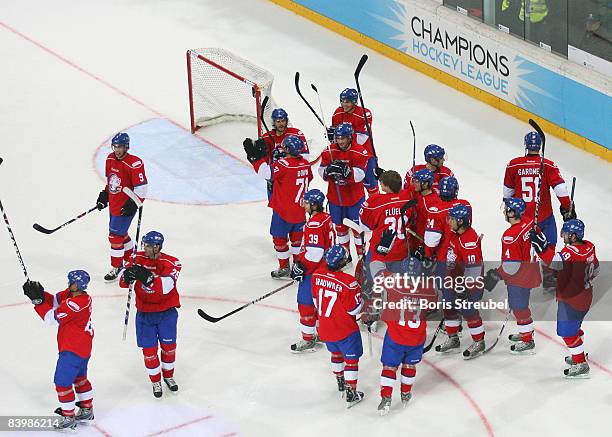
<point x="182" y="425"/>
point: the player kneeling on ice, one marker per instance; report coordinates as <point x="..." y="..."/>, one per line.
<point x="318" y="237"/>
<point x="123" y="170"/>
<point x="291" y="176"/>
<point x="464" y="267"/>
<point x="576" y="265"/>
<point x="520" y="271"/>
<point x="154" y="275"/>
<point x="338" y="301"/>
<point x="406" y="330"/>
<point x="70" y="311"/>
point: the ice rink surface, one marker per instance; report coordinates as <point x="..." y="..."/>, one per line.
<point x="76" y="72"/>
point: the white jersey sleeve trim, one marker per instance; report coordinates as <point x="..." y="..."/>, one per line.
<point x="432" y="238"/>
<point x="314" y="254"/>
<point x="511" y="267"/>
<point x="141" y="190"/>
<point x="265" y="171"/>
<point x="167" y="284"/>
<point x="50" y="318"/>
<point x="358" y="174"/>
<point x="322" y="170"/>
<point x="561" y="190"/>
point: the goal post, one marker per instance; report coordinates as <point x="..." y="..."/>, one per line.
<point x="225" y="87"/>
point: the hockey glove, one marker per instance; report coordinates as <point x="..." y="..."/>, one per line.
<point x="491" y="279"/>
<point x="332" y="171"/>
<point x="331" y="134"/>
<point x="345" y="169"/>
<point x="297" y="271"/>
<point x="378" y="172"/>
<point x="128" y="276"/>
<point x="129" y="208"/>
<point x="386" y="242"/>
<point x="143" y="275"/>
<point x="419" y="253"/>
<point x="34" y="291"/>
<point x="568" y="214"/>
<point x="102" y="201"/>
<point x="538" y="241"/>
<point x="278" y="153"/>
<point x="428" y="264"/>
<point x="254" y="150"/>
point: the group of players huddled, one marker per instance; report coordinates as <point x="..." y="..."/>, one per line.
<point x="150" y="273"/>
<point x="418" y="227"/>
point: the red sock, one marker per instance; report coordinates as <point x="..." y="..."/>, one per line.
<point x="342" y="237"/>
<point x="358" y="243"/>
<point x="84" y="392"/>
<point x="282" y="251"/>
<point x="168" y="355"/>
<point x="574" y="344"/>
<point x="337" y="363"/>
<point x="387" y="381"/>
<point x="451" y="325"/>
<point x="128" y="249"/>
<point x="408" y="375"/>
<point x="524" y="323"/>
<point x="308" y="320"/>
<point x="476" y="327"/>
<point x="351" y="372"/>
<point x="66" y="398"/>
<point x="152" y="363"/>
<point x="116" y="250"/>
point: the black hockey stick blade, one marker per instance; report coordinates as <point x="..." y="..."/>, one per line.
<point x="314" y="88"/>
<point x="297" y="89"/>
<point x="539" y="130"/>
<point x="362" y="62"/>
<point x="39" y="228"/>
<point x="409" y="204"/>
<point x="433" y="339"/>
<point x="1" y="160"/>
<point x="264" y="103"/>
<point x="501" y="331"/>
<point x="208" y="317"/>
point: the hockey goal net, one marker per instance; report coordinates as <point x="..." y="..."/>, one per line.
<point x="225" y="87"/>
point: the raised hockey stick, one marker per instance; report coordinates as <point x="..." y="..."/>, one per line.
<point x="501" y="331"/>
<point x="212" y="319"/>
<point x="541" y="174"/>
<point x="314" y="88"/>
<point x="360" y="65"/>
<point x="413" y="146"/>
<point x="138" y="203"/>
<point x="297" y="88"/>
<point x="39" y="228"/>
<point x="572" y="193"/>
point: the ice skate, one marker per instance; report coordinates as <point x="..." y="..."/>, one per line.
<point x="157" y="389"/>
<point x="284" y="273"/>
<point x="353" y="397"/>
<point x="476" y="349"/>
<point x="304" y="346"/>
<point x="113" y="274"/>
<point x="514" y="337"/>
<point x="84" y="414"/>
<point x="570" y="362"/>
<point x="450" y="346"/>
<point x="577" y="371"/>
<point x="171" y="383"/>
<point x="523" y="348"/>
<point x="341" y="385"/>
<point x="406" y="398"/>
<point x="384" y="406"/>
<point x="65" y="422"/>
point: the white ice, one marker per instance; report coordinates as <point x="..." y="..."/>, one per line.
<point x="73" y="73"/>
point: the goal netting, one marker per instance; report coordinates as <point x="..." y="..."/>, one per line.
<point x="225" y="87"/>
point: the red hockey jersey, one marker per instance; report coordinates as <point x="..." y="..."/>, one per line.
<point x="351" y="192"/>
<point x="318" y="236"/>
<point x="519" y="266"/>
<point x="125" y="172"/>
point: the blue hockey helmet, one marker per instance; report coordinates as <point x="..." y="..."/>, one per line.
<point x="434" y="151"/>
<point x="449" y="187"/>
<point x="461" y="213"/>
<point x="315" y="197"/>
<point x="121" y="139"/>
<point x="280" y="114"/>
<point x="335" y="257"/>
<point x="344" y="130"/>
<point x="153" y="238"/>
<point x="533" y="141"/>
<point x="573" y="226"/>
<point x="293" y="145"/>
<point x="349" y="94"/>
<point x="424" y="175"/>
<point x="411" y="266"/>
<point x="515" y="204"/>
<point x="80" y="278"/>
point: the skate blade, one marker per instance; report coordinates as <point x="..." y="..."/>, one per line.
<point x="471" y="357"/>
<point x="585" y="376"/>
<point x="527" y="352"/>
<point x="90" y="422"/>
<point x="384" y="411"/>
<point x="304" y="351"/>
<point x="449" y="352"/>
<point x="352" y="404"/>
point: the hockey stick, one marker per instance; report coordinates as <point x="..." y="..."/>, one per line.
<point x="433" y="339"/>
<point x="541" y="174"/>
<point x="413" y="146"/>
<point x="39" y="228"/>
<point x="360" y="65"/>
<point x="572" y="194"/>
<point x="297" y="88"/>
<point x="501" y="331"/>
<point x="138" y="203"/>
<point x="314" y="88"/>
<point x="216" y="319"/>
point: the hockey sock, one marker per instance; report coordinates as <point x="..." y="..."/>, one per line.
<point x="342" y="237"/>
<point x="358" y="242"/>
<point x="476" y="328"/>
<point x="524" y="323"/>
<point x="128" y="249"/>
<point x="168" y="355"/>
<point x="574" y="344"/>
<point x="152" y="364"/>
<point x="116" y="250"/>
<point x="282" y="251"/>
<point x="308" y="321"/>
<point x="84" y="392"/>
<point x="66" y="398"/>
<point x="351" y="372"/>
<point x="337" y="363"/>
<point x="296" y="244"/>
<point x="451" y="325"/>
<point x="387" y="380"/>
<point x="408" y="375"/>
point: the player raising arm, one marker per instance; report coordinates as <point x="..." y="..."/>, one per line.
<point x="70" y="311"/>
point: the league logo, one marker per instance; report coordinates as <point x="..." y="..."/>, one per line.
<point x="114" y="184"/>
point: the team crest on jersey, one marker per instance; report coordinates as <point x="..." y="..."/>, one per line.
<point x="114" y="184"/>
<point x="451" y="258"/>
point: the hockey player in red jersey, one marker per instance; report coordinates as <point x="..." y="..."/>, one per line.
<point x="343" y="167"/>
<point x="318" y="237"/>
<point x="434" y="161"/>
<point x="520" y="271"/>
<point x="577" y="265"/>
<point x="338" y="301"/>
<point x="464" y="265"/>
<point x="350" y="112"/>
<point x="122" y="170"/>
<point x="291" y="176"/>
<point x="406" y="331"/>
<point x="70" y="311"/>
<point x="521" y="180"/>
<point x="427" y="202"/>
<point x="281" y="130"/>
<point x="154" y="275"/>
